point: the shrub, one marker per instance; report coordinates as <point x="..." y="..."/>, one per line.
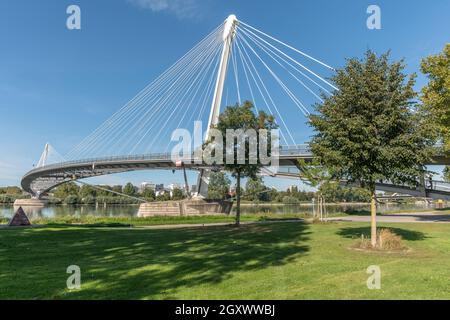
<point x="386" y="240"/>
<point x="89" y="200"/>
<point x="4" y="198"/>
<point x="290" y="200"/>
<point x="71" y="200"/>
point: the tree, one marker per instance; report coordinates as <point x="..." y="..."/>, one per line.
<point x="117" y="188"/>
<point x="447" y="174"/>
<point x="319" y="177"/>
<point x="102" y="191"/>
<point x="66" y="189"/>
<point x="242" y="117"/>
<point x="148" y="194"/>
<point x="87" y="191"/>
<point x="255" y="189"/>
<point x="12" y="190"/>
<point x="436" y="95"/>
<point x="129" y="189"/>
<point x="370" y="129"/>
<point x="219" y="186"/>
<point x="177" y="194"/>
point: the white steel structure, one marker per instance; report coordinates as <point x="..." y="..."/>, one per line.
<point x="229" y="33"/>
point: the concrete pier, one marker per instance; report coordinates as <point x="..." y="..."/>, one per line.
<point x="37" y="203"/>
<point x="185" y="208"/>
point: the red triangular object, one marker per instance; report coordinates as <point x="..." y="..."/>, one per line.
<point x="19" y="219"/>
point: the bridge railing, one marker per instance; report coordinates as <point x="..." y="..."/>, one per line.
<point x="302" y="149"/>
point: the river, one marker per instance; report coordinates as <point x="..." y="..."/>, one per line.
<point x="131" y="210"/>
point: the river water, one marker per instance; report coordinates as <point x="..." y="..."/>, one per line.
<point x="131" y="210"/>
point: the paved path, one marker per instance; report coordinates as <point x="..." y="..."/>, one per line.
<point x="425" y="217"/>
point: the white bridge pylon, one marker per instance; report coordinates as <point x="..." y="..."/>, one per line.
<point x="228" y="37"/>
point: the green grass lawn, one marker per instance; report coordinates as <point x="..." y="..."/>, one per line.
<point x="264" y="261"/>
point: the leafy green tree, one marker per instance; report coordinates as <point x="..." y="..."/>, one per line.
<point x="88" y="200"/>
<point x="255" y="189"/>
<point x="72" y="199"/>
<point x="370" y="128"/>
<point x="66" y="189"/>
<point x="12" y="190"/>
<point x="103" y="191"/>
<point x="290" y="200"/>
<point x="219" y="185"/>
<point x="163" y="197"/>
<point x="87" y="191"/>
<point x="243" y="117"/>
<point x="447" y="174"/>
<point x="148" y="194"/>
<point x="129" y="189"/>
<point x="116" y="188"/>
<point x="436" y="95"/>
<point x="177" y="194"/>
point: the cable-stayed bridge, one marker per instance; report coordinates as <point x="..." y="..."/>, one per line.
<point x="233" y="63"/>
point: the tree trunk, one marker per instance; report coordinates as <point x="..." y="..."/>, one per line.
<point x="238" y="199"/>
<point x="373" y="218"/>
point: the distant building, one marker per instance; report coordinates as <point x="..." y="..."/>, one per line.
<point x="173" y="186"/>
<point x="145" y="185"/>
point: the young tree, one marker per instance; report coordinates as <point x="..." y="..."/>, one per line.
<point x="243" y="117"/>
<point x="254" y="189"/>
<point x="219" y="185"/>
<point x="129" y="189"/>
<point x="177" y="194"/>
<point x="319" y="177"/>
<point x="148" y="194"/>
<point x="370" y="129"/>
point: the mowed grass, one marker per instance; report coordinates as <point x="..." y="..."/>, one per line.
<point x="261" y="261"/>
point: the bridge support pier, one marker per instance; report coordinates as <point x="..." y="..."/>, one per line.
<point x="185" y="208"/>
<point x="33" y="202"/>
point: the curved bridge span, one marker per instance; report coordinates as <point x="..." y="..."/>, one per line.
<point x="43" y="178"/>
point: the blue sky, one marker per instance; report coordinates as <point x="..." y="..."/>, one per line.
<point x="58" y="85"/>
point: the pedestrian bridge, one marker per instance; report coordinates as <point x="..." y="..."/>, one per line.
<point x="43" y="178"/>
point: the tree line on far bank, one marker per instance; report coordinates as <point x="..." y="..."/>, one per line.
<point x="255" y="191"/>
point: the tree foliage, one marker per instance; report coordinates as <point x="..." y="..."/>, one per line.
<point x="436" y="95"/>
<point x="129" y="189"/>
<point x="177" y="194"/>
<point x="243" y="117"/>
<point x="219" y="185"/>
<point x="370" y="129"/>
<point x="255" y="190"/>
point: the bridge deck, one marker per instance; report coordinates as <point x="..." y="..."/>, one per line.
<point x="44" y="178"/>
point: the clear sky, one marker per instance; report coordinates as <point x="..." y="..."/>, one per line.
<point x="58" y="85"/>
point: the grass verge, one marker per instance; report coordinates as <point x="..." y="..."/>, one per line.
<point x="265" y="261"/>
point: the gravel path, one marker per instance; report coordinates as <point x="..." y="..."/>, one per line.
<point x="425" y="217"/>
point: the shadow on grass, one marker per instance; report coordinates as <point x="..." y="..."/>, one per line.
<point x="137" y="264"/>
<point x="354" y="233"/>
